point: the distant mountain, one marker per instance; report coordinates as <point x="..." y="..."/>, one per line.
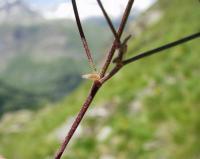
<point x="17" y="11"/>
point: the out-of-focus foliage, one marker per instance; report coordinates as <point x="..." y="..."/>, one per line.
<point x="149" y="110"/>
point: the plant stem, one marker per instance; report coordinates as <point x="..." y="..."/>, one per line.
<point x="119" y="65"/>
<point x="120" y="31"/>
<point x="162" y="48"/>
<point x="83" y="38"/>
<point x="89" y="99"/>
<point x="97" y="85"/>
<point x="109" y="21"/>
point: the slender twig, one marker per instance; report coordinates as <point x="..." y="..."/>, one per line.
<point x="83" y="38"/>
<point x="120" y="45"/>
<point x="162" y="48"/>
<point x="119" y="66"/>
<point x="120" y="31"/>
<point x="109" y="21"/>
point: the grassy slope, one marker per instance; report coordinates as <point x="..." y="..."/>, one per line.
<point x="167" y="126"/>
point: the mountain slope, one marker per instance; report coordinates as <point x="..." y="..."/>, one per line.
<point x="151" y="108"/>
<point x="43" y="58"/>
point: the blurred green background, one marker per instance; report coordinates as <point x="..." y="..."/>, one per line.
<point x="150" y="110"/>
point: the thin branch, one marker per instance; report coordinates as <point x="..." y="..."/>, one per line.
<point x="121" y="64"/>
<point x="109" y="21"/>
<point x="125" y="17"/>
<point x="162" y="48"/>
<point x="83" y="38"/>
<point x="120" y="31"/>
<point x="89" y="99"/>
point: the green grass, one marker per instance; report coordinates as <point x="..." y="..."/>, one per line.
<point x="167" y="126"/>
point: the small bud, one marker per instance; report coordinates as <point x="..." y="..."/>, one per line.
<point x="92" y="76"/>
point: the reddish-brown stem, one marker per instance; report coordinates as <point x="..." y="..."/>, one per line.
<point x="119" y="64"/>
<point x="109" y="21"/>
<point x="96" y="85"/>
<point x="83" y="38"/>
<point x="120" y="31"/>
<point x="89" y="99"/>
<point x="162" y="48"/>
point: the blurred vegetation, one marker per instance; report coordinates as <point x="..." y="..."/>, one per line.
<point x="153" y="104"/>
<point x="29" y="84"/>
<point x="42" y="62"/>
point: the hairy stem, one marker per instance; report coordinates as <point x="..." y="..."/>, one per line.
<point x="83" y="38"/>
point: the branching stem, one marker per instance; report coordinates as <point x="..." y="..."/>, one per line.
<point x="119" y="64"/>
<point x="120" y="31"/>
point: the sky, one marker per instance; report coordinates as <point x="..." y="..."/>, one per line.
<point x="53" y="9"/>
<point x="46" y="2"/>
